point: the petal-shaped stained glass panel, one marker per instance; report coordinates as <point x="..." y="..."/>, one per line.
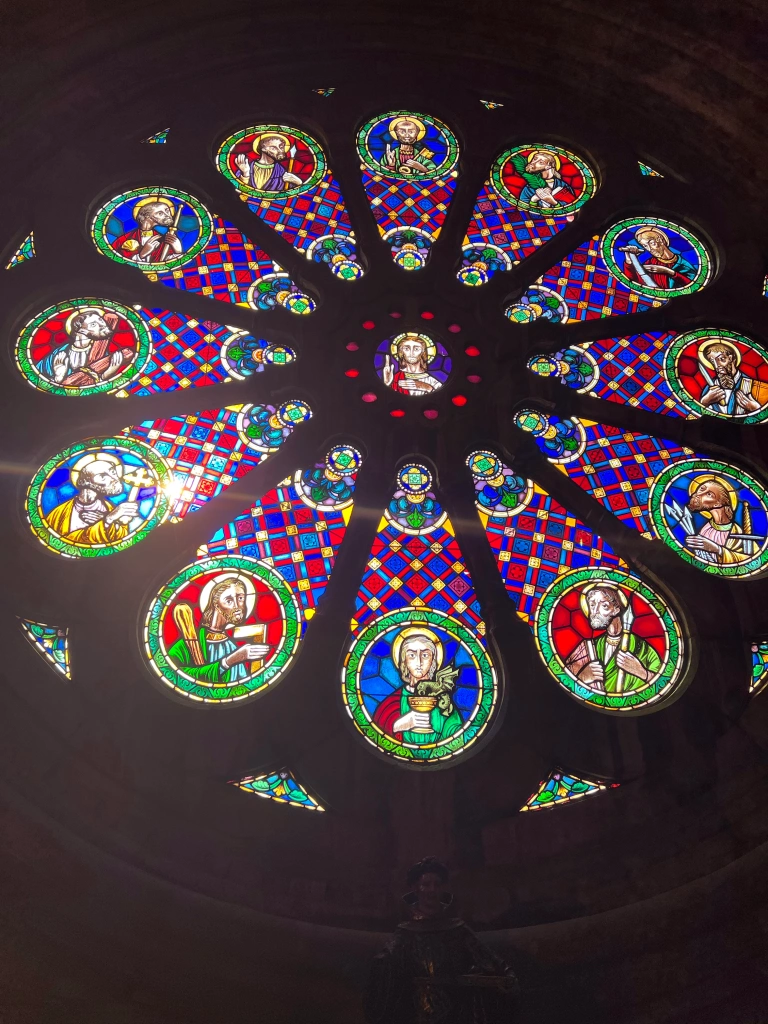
<point x="409" y="170"/>
<point x="532" y="192"/>
<point x="711" y="513"/>
<point x="704" y="372"/>
<point x="89" y="346"/>
<point x="172" y="238"/>
<point x="607" y="637"/>
<point x="637" y="264"/>
<point x="418" y="680"/>
<point x="105" y="494"/>
<point x="283" y="176"/>
<point x="50" y="642"/>
<point x="228" y="626"/>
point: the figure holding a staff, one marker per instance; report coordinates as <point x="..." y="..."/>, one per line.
<point x="618" y="660"/>
<point x="155" y="238"/>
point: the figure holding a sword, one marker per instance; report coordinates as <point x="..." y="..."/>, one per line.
<point x="729" y="391"/>
<point x="266" y="171"/>
<point x="618" y="660"/>
<point x="665" y="268"/>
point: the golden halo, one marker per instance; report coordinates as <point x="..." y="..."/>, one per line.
<point x="602" y="585"/>
<point x="77" y="312"/>
<point x="250" y="590"/>
<point x="271" y="135"/>
<point x="86" y="460"/>
<point x="411" y="631"/>
<point x="152" y="199"/>
<point x="407" y="117"/>
<point x="704" y="478"/>
<point x="544" y="152"/>
<point x="427" y="342"/>
<point x="709" y="343"/>
<point x="647" y="228"/>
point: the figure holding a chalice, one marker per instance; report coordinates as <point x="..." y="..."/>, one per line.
<point x="206" y="648"/>
<point x="422" y="709"/>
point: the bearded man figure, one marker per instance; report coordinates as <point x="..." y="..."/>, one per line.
<point x="435" y="970"/>
<point x="732" y="392"/>
<point x="146" y="243"/>
<point x="720" y="539"/>
<point x="207" y="653"/>
<point x="619" y="660"/>
<point x="665" y="268"/>
<point x="544" y="187"/>
<point x="90" y="518"/>
<point x="411" y="377"/>
<point x="84" y="359"/>
<point x="408" y="154"/>
<point x="266" y="173"/>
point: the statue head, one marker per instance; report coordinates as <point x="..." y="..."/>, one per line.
<point x="427" y="881"/>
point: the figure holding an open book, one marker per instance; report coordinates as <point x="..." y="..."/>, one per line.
<point x="206" y="648"/>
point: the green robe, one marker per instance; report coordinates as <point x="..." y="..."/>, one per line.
<point x="641" y="649"/>
<point x="212" y="670"/>
<point x="443" y="726"/>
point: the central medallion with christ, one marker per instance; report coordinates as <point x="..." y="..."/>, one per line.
<point x="412" y="364"/>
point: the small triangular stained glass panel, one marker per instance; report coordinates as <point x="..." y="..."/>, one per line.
<point x="281" y="786"/>
<point x="325" y="92"/>
<point x="26" y="251"/>
<point x="561" y="788"/>
<point x="647" y="171"/>
<point x="158" y="139"/>
<point x="491" y="104"/>
<point x="759" y="667"/>
<point x="765" y="287"/>
<point x="50" y="642"/>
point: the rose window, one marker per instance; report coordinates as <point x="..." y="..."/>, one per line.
<point x="364" y="363"/>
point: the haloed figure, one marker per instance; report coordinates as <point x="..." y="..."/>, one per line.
<point x="719" y="539"/>
<point x="155" y="239"/>
<point x="435" y="970"/>
<point x="412" y="376"/>
<point x="85" y="358"/>
<point x="266" y="171"/>
<point x="618" y="660"/>
<point x="93" y="517"/>
<point x="729" y="392"/>
<point x="544" y="187"/>
<point x="664" y="268"/>
<point x="407" y="154"/>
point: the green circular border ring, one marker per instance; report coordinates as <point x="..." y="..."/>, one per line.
<point x="660" y="689"/>
<point x="589" y="176"/>
<point x="267" y="677"/>
<point x="37" y="380"/>
<point x="451" y="157"/>
<point x="672" y="355"/>
<point x="455" y="745"/>
<point x="98" y="231"/>
<point x="222" y="161"/>
<point x="750" y="567"/>
<point x="63" y="547"/>
<point x="706" y="260"/>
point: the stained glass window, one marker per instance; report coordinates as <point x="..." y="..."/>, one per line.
<point x="561" y="788"/>
<point x="639" y="263"/>
<point x="418" y="680"/>
<point x="26" y="251"/>
<point x="647" y="171"/>
<point x="604" y="633"/>
<point x="711" y="513"/>
<point x="105" y="494"/>
<point x="759" y="667"/>
<point x="50" y="642"/>
<point x="280" y="786"/>
<point x="532" y="192"/>
<point x="416" y="378"/>
<point x="228" y="626"/>
<point x="704" y="372"/>
<point x="283" y="176"/>
<point x="409" y="165"/>
<point x="94" y="346"/>
<point x="171" y="237"/>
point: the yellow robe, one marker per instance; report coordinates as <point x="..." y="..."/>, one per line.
<point x="59" y="519"/>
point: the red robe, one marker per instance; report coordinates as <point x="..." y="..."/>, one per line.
<point x="388" y="712"/>
<point x="129" y="251"/>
